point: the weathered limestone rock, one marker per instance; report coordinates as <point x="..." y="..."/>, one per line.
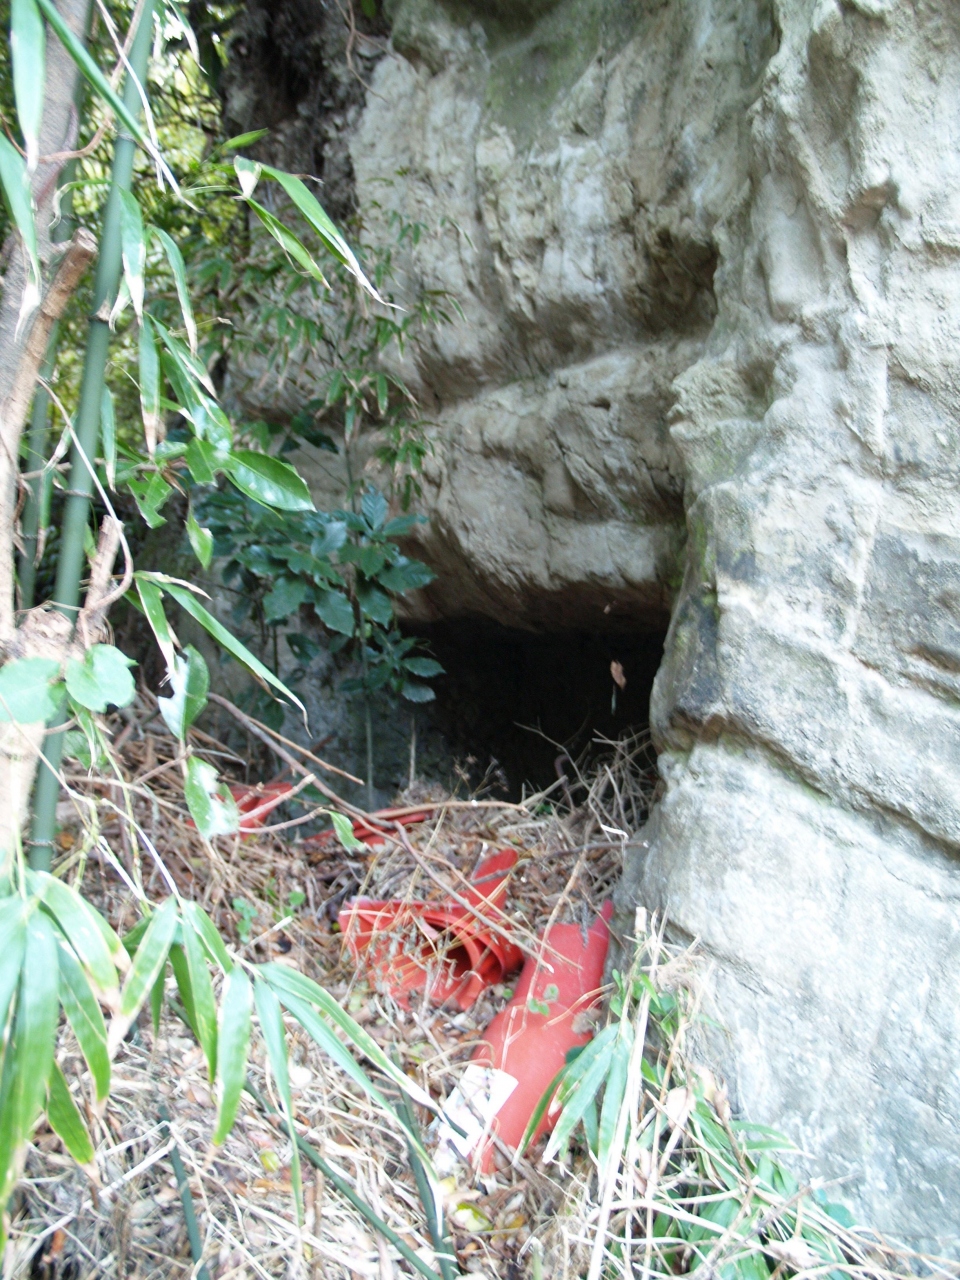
<point x="708" y="254"/>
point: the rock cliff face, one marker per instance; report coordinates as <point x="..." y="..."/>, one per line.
<point x="708" y="254"/>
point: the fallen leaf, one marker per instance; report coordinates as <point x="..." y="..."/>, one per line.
<point x="619" y="679"/>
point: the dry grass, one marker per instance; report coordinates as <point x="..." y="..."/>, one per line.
<point x="526" y="1220"/>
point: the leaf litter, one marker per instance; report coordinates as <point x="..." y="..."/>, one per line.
<point x="677" y="1185"/>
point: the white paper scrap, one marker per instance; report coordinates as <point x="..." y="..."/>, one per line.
<point x="472" y="1106"/>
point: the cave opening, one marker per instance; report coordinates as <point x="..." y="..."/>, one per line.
<point x="512" y="702"/>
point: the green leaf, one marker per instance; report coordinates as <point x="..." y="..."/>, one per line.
<point x="423" y="667"/>
<point x="613" y="1092"/>
<point x="244" y="140"/>
<point x="84" y="1015"/>
<point x="376" y="604"/>
<point x="201" y="540"/>
<point x="233" y="1046"/>
<point x="289" y="980"/>
<point x="204" y="461"/>
<point x="192" y="368"/>
<point x="19" y="202"/>
<point x="38" y="1009"/>
<point x="268" y="480"/>
<point x="181" y="972"/>
<point x="151" y="598"/>
<point x="65" y="1119"/>
<point x="209" y="936"/>
<point x="190" y="682"/>
<point x="414" y="692"/>
<point x="290" y="243"/>
<point x="574" y="1109"/>
<point x="211" y="805"/>
<point x="335" y="611"/>
<point x="406" y="575"/>
<point x="28" y="54"/>
<point x="157" y="992"/>
<point x="383" y="393"/>
<point x="26" y="694"/>
<point x="204" y="1006"/>
<point x="13" y="917"/>
<point x="133" y="248"/>
<point x="373" y="507"/>
<point x="76" y="919"/>
<point x="150" y="957"/>
<point x="175" y="258"/>
<point x="540" y="1110"/>
<point x="92" y="73"/>
<point x="248" y="174"/>
<point x="344" y="829"/>
<point x="188" y="601"/>
<point x="108" y="434"/>
<point x="149" y="383"/>
<point x="102" y="679"/>
<point x="320" y="221"/>
<point x="274" y="1037"/>
<point x="286" y="597"/>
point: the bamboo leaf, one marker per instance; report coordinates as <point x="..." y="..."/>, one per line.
<point x="188" y="601"/>
<point x="204" y="1005"/>
<point x="175" y="258"/>
<point x="84" y="1015"/>
<point x="539" y="1111"/>
<point x="35" y="1029"/>
<point x="149" y="384"/>
<point x="108" y="435"/>
<point x="13" y="917"/>
<point x="233" y="1046"/>
<point x="133" y="248"/>
<point x="157" y="992"/>
<point x="65" y="1119"/>
<point x="181" y="972"/>
<point x="28" y="53"/>
<point x="151" y="598"/>
<point x="201" y="540"/>
<point x="192" y="366"/>
<point x="150" y="957"/>
<point x="304" y="988"/>
<point x="320" y="221"/>
<point x="19" y="202"/>
<point x="274" y="1037"/>
<point x="573" y="1111"/>
<point x="211" y="805"/>
<point x="613" y="1093"/>
<point x="76" y="919"/>
<point x="209" y="936"/>
<point x="190" y="682"/>
<point x="288" y="242"/>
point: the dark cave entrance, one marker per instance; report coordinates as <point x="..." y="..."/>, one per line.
<point x="509" y="696"/>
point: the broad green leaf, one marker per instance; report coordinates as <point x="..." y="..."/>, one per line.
<point x="65" y="1119"/>
<point x="175" y="258"/>
<point x="613" y="1091"/>
<point x="414" y="692"/>
<point x="233" y="1046"/>
<point x="28" y="54"/>
<point x="376" y="604"/>
<point x="335" y="611"/>
<point x="150" y="957"/>
<point x="187" y="600"/>
<point x="84" y="1015"/>
<point x="19" y="202"/>
<point x="274" y="1037"/>
<point x="211" y="805"/>
<point x="204" y="1005"/>
<point x="287" y="596"/>
<point x="344" y="829"/>
<point x="204" y="462"/>
<point x="322" y="224"/>
<point x="373" y="507"/>
<point x="423" y="667"/>
<point x="290" y="243"/>
<point x="268" y="480"/>
<point x="133" y="248"/>
<point x="151" y="598"/>
<point x="304" y="988"/>
<point x="76" y="920"/>
<point x="101" y="679"/>
<point x="190" y="682"/>
<point x="149" y="384"/>
<point x="13" y="917"/>
<point x="108" y="435"/>
<point x="38" y="1009"/>
<point x="26" y="693"/>
<point x="406" y="575"/>
<point x="201" y="540"/>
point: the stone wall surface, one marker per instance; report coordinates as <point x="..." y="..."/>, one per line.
<point x="708" y="255"/>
